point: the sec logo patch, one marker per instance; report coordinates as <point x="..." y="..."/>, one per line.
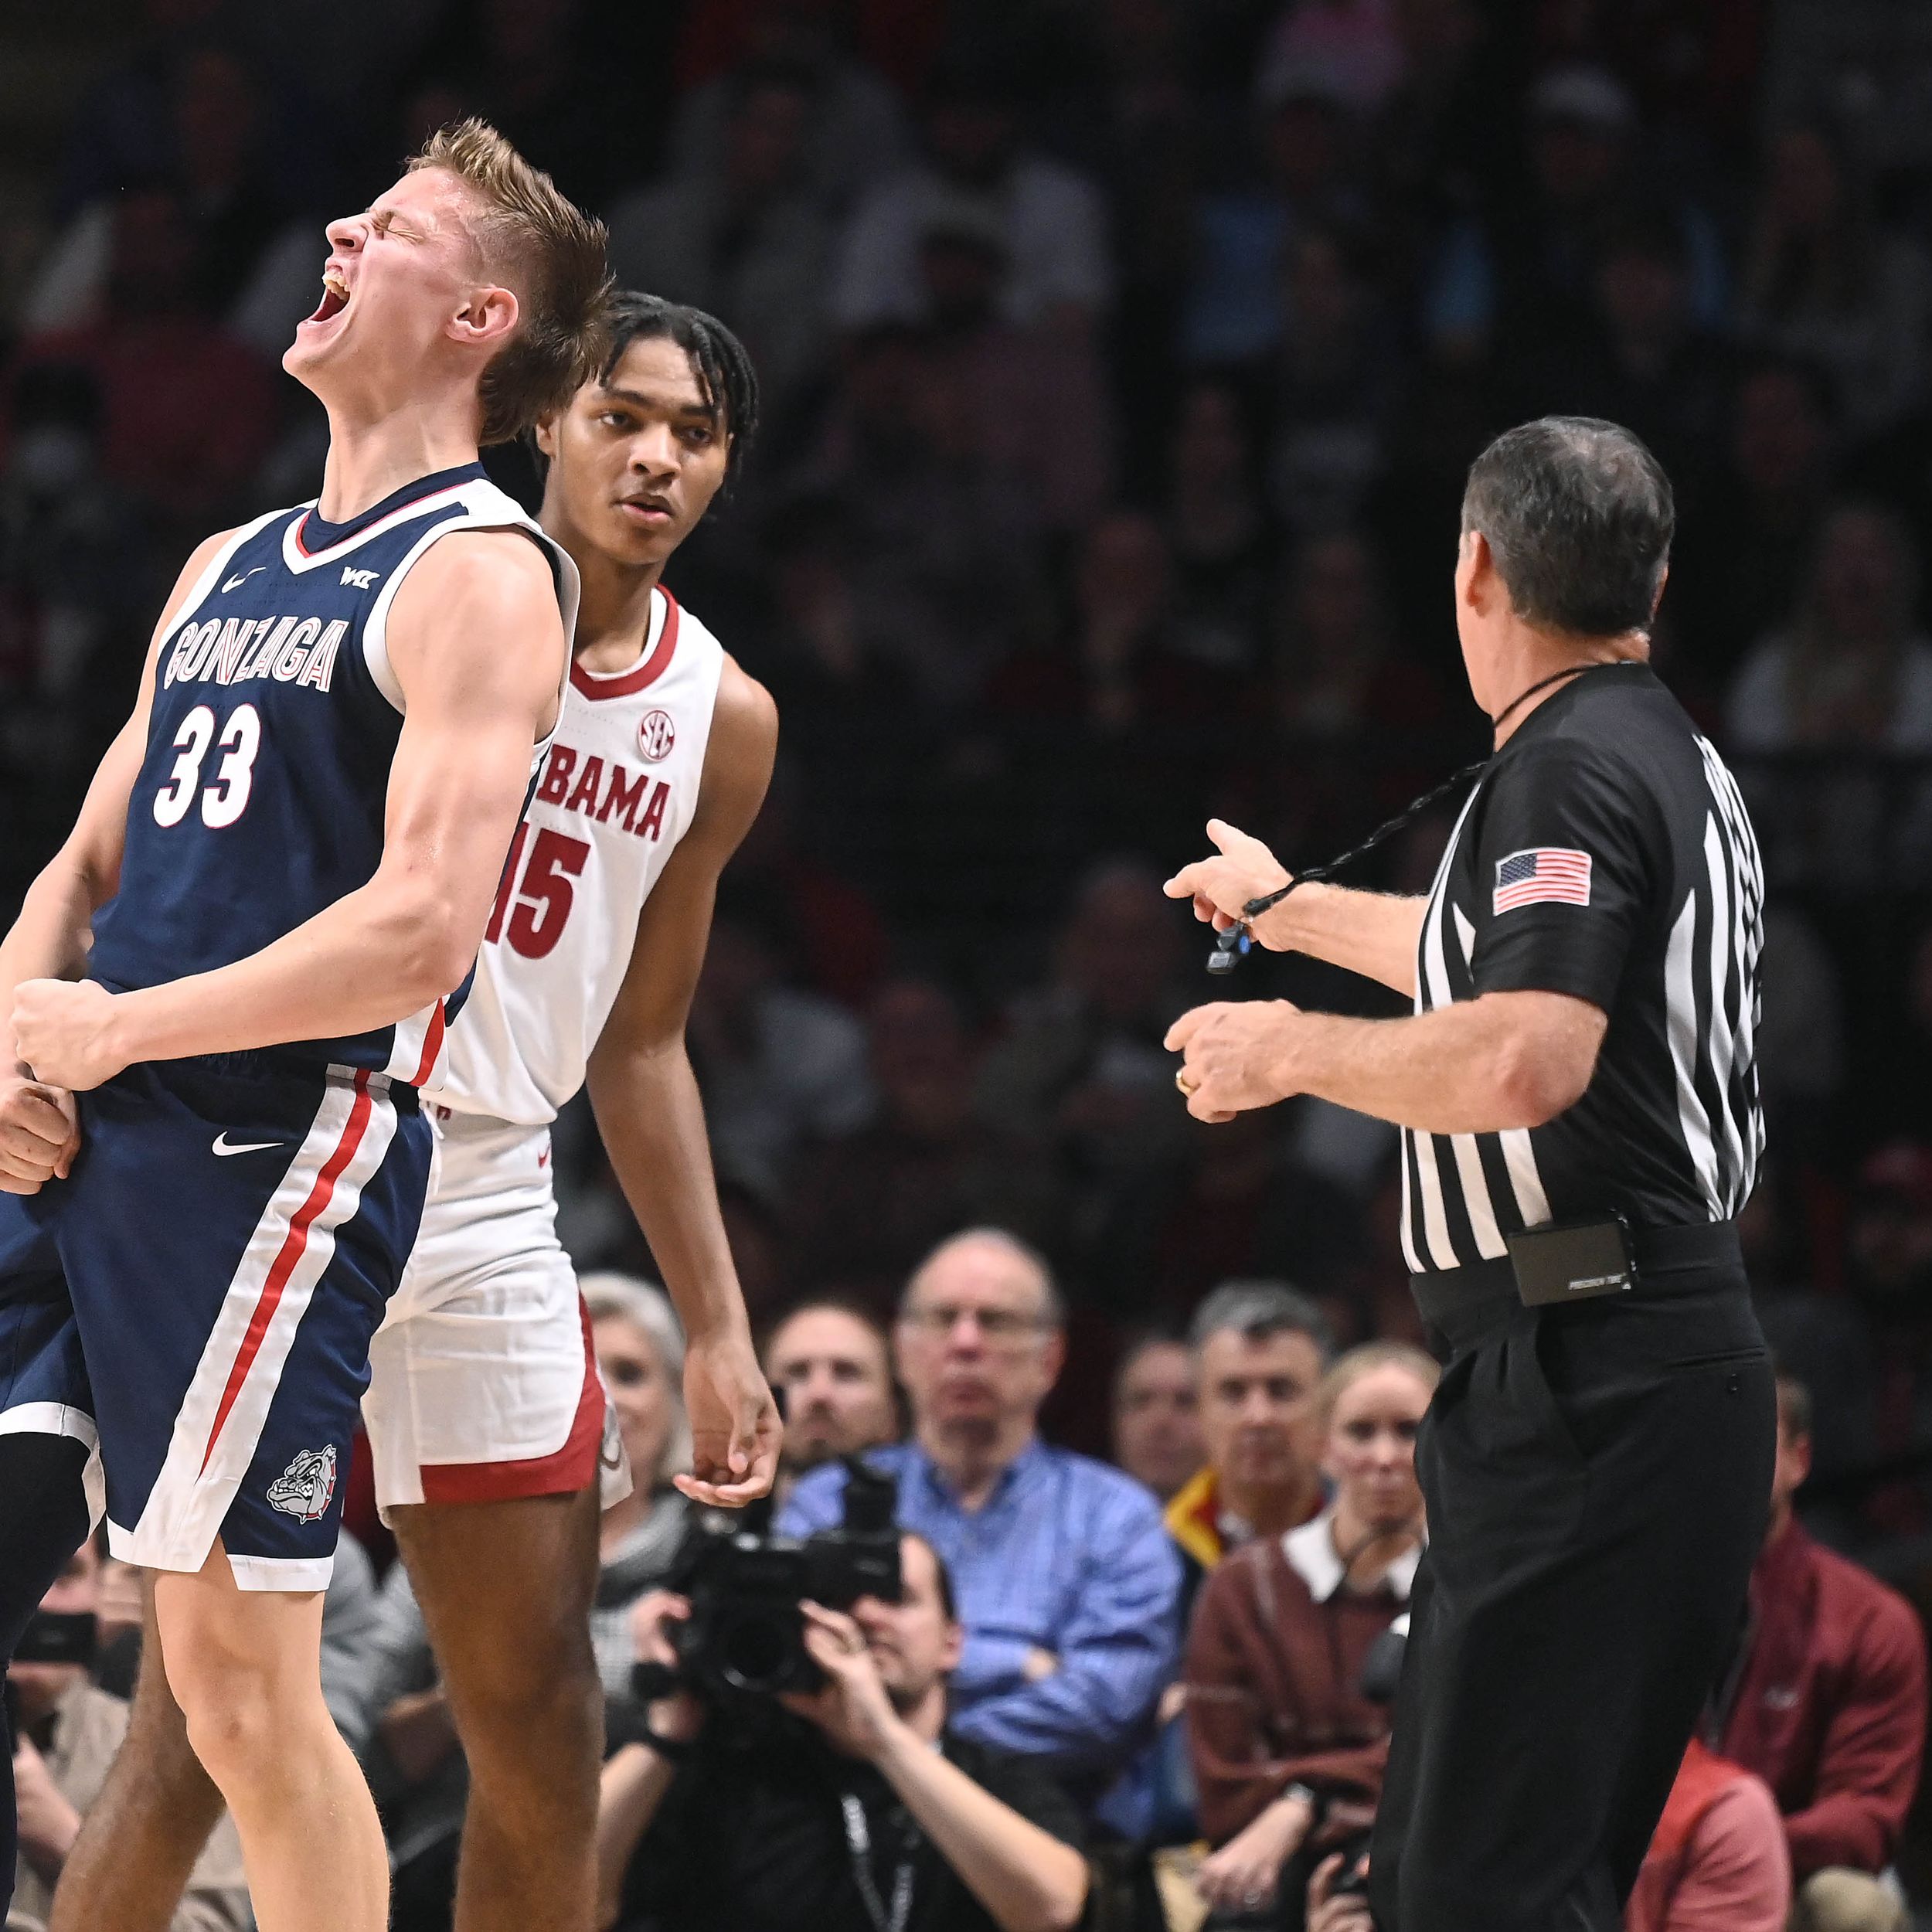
<point x="656" y="735"/>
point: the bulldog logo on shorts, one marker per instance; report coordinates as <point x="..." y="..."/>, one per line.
<point x="304" y="1489"/>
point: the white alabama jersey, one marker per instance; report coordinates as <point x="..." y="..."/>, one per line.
<point x="618" y="791"/>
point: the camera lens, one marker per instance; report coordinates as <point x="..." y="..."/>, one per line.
<point x="754" y="1653"/>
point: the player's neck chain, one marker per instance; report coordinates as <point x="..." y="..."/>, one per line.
<point x="1231" y="947"/>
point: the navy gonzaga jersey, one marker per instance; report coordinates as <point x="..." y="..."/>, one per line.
<point x="276" y="716"/>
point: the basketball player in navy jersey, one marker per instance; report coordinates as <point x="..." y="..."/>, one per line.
<point x="296" y="837"/>
<point x="483" y="1419"/>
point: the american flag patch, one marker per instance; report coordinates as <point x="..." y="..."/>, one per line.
<point x="1544" y="874"/>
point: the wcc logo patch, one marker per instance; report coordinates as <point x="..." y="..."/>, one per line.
<point x="304" y="1489"/>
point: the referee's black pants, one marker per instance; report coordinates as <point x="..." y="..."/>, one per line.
<point x="1598" y="1479"/>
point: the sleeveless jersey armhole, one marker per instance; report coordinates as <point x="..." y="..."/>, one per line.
<point x="563" y="572"/>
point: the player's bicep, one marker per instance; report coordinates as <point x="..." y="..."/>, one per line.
<point x="1564" y="876"/>
<point x="477" y="645"/>
<point x="476" y="634"/>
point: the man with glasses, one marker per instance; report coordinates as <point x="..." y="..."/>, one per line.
<point x="1067" y="1581"/>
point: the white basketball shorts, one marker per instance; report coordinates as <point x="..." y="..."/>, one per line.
<point x="483" y="1384"/>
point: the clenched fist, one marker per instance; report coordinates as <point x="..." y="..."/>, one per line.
<point x="1234" y="1055"/>
<point x="66" y="1031"/>
<point x="39" y="1133"/>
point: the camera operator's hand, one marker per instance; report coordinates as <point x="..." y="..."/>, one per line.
<point x="49" y="1824"/>
<point x="1349" y="1913"/>
<point x="1243" y="1875"/>
<point x="736" y="1433"/>
<point x="852" y="1708"/>
<point x="680" y="1716"/>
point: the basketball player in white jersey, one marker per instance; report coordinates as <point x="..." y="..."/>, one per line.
<point x="484" y="1411"/>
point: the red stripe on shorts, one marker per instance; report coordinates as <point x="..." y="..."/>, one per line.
<point x="293" y="1243"/>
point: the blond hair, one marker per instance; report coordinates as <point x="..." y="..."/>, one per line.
<point x="546" y="249"/>
<point x="1350" y="1368"/>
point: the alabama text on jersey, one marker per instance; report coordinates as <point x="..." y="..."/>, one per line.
<point x="617" y="790"/>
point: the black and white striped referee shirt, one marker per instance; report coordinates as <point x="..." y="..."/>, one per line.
<point x="1606" y="854"/>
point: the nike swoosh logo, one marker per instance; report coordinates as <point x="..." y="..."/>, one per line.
<point x="224" y="1145"/>
<point x="229" y="586"/>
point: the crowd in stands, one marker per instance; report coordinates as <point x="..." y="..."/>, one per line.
<point x="1122" y="360"/>
<point x="1089" y="1705"/>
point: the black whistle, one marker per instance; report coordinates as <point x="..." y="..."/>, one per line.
<point x="1233" y="944"/>
<point x="1230" y="948"/>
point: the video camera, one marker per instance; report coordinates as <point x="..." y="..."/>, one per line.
<point x="59" y="1636"/>
<point x="51" y="1636"/>
<point x="745" y="1638"/>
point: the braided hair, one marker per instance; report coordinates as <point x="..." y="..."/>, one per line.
<point x="723" y="368"/>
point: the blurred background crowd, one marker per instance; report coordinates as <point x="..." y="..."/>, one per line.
<point x="1123" y="359"/>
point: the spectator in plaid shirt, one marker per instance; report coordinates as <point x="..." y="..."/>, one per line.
<point x="1067" y="1581"/>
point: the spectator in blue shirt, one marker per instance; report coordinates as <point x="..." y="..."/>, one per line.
<point x="1067" y="1582"/>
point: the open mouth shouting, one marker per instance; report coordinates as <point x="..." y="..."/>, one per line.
<point x="336" y="295"/>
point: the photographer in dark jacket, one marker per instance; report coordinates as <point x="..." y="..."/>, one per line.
<point x="866" y="1815"/>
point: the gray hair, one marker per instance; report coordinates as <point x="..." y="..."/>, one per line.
<point x="1580" y="519"/>
<point x="1053" y="1303"/>
<point x="1258" y="1310"/>
<point x="648" y="1309"/>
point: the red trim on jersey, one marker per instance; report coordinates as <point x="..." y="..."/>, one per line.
<point x="448" y="489"/>
<point x="562" y="1472"/>
<point x="293" y="1243"/>
<point x="432" y="1044"/>
<point x="620" y="684"/>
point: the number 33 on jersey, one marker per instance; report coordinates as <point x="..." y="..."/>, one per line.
<point x="275" y="718"/>
<point x="617" y="792"/>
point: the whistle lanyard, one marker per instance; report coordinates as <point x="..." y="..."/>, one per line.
<point x="1231" y="947"/>
<point x="859" y="1841"/>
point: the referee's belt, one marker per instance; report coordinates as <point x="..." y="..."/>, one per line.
<point x="1651" y="1256"/>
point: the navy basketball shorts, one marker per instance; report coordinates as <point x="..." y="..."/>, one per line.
<point x="202" y="1291"/>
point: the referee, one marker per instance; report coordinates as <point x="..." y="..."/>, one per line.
<point x="1578" y="1087"/>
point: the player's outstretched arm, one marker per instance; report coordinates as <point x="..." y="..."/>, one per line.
<point x="477" y="644"/>
<point x="646" y="1099"/>
<point x="1373" y="933"/>
<point x="38" y="1138"/>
